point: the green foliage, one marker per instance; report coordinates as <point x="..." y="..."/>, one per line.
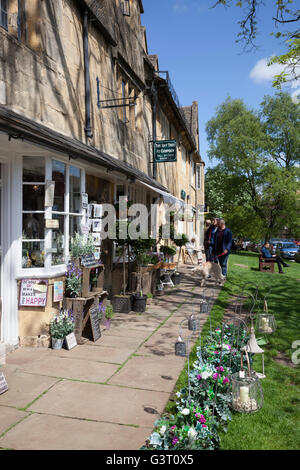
<point x="109" y="312"/>
<point x="73" y="281"/>
<point x="256" y="182"/>
<point x="168" y="251"/>
<point x="62" y="324"/>
<point x="81" y="245"/>
<point x="181" y="239"/>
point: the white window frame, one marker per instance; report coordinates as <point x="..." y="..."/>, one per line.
<point x="198" y="177"/>
<point x="49" y="270"/>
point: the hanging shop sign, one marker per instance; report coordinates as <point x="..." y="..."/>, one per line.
<point x="49" y="193"/>
<point x="58" y="291"/>
<point x="165" y="151"/>
<point x="33" y="293"/>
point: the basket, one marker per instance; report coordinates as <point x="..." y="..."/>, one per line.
<point x="121" y="303"/>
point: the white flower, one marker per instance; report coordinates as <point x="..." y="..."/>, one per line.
<point x="205" y="375"/>
<point x="185" y="411"/>
<point x="178" y="394"/>
<point x="162" y="430"/>
<point x="192" y="434"/>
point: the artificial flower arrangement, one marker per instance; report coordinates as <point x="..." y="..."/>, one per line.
<point x="203" y="408"/>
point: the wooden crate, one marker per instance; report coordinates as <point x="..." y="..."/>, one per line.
<point x="86" y="272"/>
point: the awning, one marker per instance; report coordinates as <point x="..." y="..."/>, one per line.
<point x="167" y="197"/>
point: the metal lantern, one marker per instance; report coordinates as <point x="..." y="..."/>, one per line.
<point x="247" y="393"/>
<point x="204" y="306"/>
<point x="265" y="321"/>
<point x="252" y="347"/>
<point x="193" y="323"/>
<point x="180" y="347"/>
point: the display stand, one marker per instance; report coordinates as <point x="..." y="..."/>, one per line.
<point x="86" y="272"/>
<point x="81" y="308"/>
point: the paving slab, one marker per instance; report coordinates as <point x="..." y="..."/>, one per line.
<point x="100" y="354"/>
<point x="9" y="417"/>
<point x="148" y="373"/>
<point x="26" y="355"/>
<point x="123" y="342"/>
<point x="69" y="368"/>
<point x="102" y="403"/>
<point x="142" y="334"/>
<point x="46" y="432"/>
<point x="24" y="388"/>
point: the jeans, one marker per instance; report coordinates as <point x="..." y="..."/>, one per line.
<point x="223" y="263"/>
<point x="279" y="262"/>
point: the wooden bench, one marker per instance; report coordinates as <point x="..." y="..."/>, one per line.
<point x="266" y="266"/>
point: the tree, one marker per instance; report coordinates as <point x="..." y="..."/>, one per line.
<point x="258" y="192"/>
<point x="285" y="15"/>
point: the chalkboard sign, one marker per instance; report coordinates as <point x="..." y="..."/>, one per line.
<point x="3" y="384"/>
<point x="88" y="260"/>
<point x="95" y="323"/>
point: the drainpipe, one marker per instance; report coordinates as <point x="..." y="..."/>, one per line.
<point x="87" y="129"/>
<point x="154" y="133"/>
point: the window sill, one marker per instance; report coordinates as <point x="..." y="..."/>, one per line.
<point x="41" y="273"/>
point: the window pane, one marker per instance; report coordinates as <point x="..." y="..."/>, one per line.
<point x="58" y="241"/>
<point x="33" y="169"/>
<point x="33" y="226"/>
<point x="75" y="190"/>
<point x="33" y="197"/>
<point x="58" y="175"/>
<point x="33" y="254"/>
<point x="74" y="225"/>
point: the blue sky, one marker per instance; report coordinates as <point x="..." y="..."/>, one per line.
<point x="196" y="44"/>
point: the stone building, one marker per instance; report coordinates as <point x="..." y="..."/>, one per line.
<point x="80" y="102"/>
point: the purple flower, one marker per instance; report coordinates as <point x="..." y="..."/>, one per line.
<point x="221" y="369"/>
<point x="216" y="352"/>
<point x="226" y="380"/>
<point x="175" y="440"/>
<point x="199" y="377"/>
<point x="173" y="427"/>
<point x="202" y="419"/>
<point x="216" y="376"/>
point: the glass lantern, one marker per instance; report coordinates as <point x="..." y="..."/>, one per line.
<point x="247" y="393"/>
<point x="180" y="347"/>
<point x="193" y="323"/>
<point x="204" y="307"/>
<point x="265" y="323"/>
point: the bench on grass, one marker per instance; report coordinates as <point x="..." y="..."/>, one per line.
<point x="266" y="264"/>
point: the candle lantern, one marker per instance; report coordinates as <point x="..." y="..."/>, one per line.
<point x="204" y="307"/>
<point x="193" y="323"/>
<point x="247" y="393"/>
<point x="265" y="321"/>
<point x="180" y="347"/>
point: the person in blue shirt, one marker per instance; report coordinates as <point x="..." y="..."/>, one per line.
<point x="222" y="245"/>
<point x="268" y="256"/>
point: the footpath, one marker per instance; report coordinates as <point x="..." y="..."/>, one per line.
<point x="104" y="395"/>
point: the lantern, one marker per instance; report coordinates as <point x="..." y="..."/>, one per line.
<point x="180" y="347"/>
<point x="204" y="306"/>
<point x="193" y="323"/>
<point x="265" y="323"/>
<point x="252" y="347"/>
<point x="247" y="393"/>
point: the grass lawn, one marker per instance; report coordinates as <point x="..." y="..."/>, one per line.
<point x="276" y="426"/>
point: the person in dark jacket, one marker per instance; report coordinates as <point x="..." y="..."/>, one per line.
<point x="209" y="238"/>
<point x="222" y="245"/>
<point x="265" y="251"/>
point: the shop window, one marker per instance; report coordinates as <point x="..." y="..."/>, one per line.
<point x="33" y="229"/>
<point x="125" y="7"/>
<point x="198" y="177"/>
<point x="3" y="14"/>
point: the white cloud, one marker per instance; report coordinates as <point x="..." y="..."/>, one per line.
<point x="262" y="72"/>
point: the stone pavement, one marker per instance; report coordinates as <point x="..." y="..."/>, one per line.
<point x="104" y="395"/>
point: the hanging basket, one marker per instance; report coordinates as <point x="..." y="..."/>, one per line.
<point x="247" y="393"/>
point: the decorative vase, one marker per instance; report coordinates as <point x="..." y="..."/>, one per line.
<point x="57" y="343"/>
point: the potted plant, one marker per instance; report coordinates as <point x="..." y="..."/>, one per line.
<point x="140" y="248"/>
<point x="149" y="298"/>
<point x="81" y="245"/>
<point x="168" y="252"/>
<point x="109" y="314"/>
<point x="73" y="281"/>
<point x="60" y="327"/>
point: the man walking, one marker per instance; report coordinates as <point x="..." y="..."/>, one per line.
<point x="222" y="245"/>
<point x="269" y="257"/>
<point x="209" y="238"/>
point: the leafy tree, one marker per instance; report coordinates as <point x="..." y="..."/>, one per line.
<point x="285" y="14"/>
<point x="256" y="192"/>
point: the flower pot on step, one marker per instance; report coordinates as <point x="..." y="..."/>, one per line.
<point x="57" y="343"/>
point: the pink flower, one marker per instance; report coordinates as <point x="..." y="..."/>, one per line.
<point x="173" y="427"/>
<point x="226" y="380"/>
<point x="199" y="377"/>
<point x="175" y="440"/>
<point x="204" y="426"/>
<point x="202" y="419"/>
<point x="221" y="369"/>
<point x="216" y="352"/>
<point x="216" y="376"/>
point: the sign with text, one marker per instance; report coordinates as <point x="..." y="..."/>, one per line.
<point x="52" y="223"/>
<point x="70" y="341"/>
<point x="165" y="151"/>
<point x="33" y="293"/>
<point x="88" y="260"/>
<point x="49" y="193"/>
<point x="3" y="384"/>
<point x="58" y="291"/>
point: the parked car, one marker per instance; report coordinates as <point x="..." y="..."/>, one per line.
<point x="287" y="249"/>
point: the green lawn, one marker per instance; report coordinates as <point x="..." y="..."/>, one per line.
<point x="276" y="426"/>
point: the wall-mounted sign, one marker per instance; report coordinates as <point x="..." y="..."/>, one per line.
<point x="58" y="291"/>
<point x="84" y="200"/>
<point x="52" y="223"/>
<point x="49" y="193"/>
<point x="165" y="151"/>
<point x="33" y="293"/>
